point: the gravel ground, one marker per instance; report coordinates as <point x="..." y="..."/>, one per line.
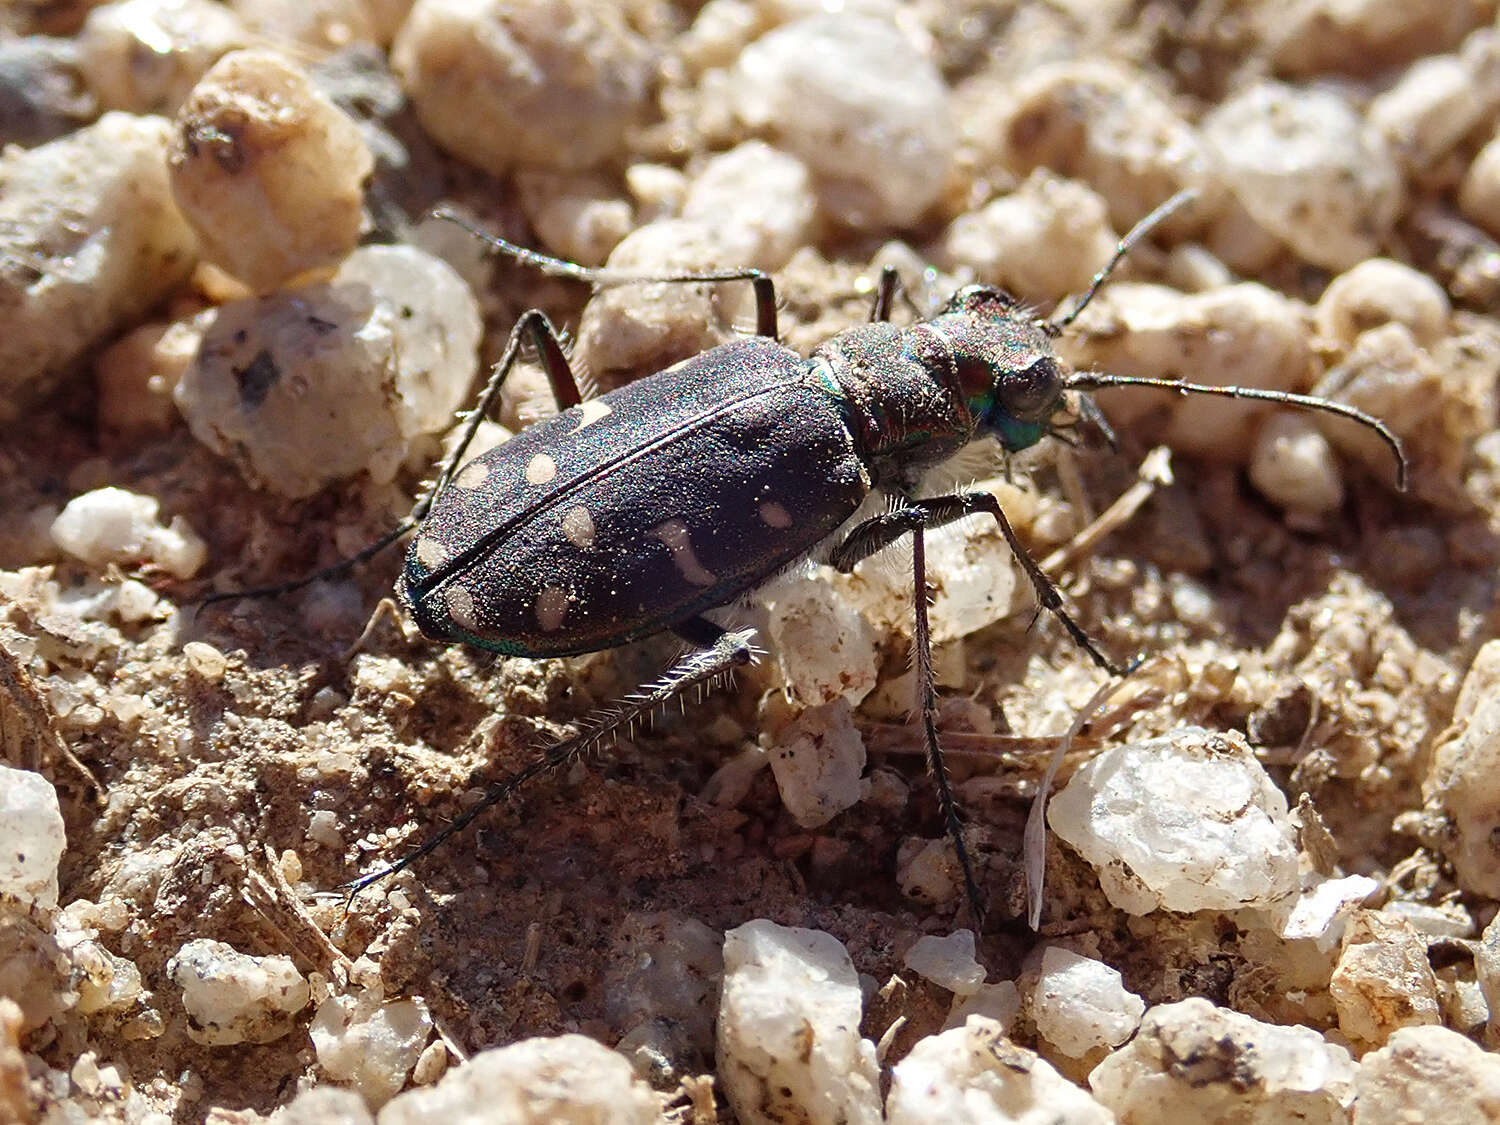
<point x="223" y="294"/>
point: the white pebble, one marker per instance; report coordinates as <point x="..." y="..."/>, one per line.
<point x="323" y="830"/>
<point x="1462" y="788"/>
<point x="639" y="328"/>
<point x="31" y="837"/>
<point x="761" y="201"/>
<point x="104" y="982"/>
<point x="1189" y="821"/>
<point x="111" y="525"/>
<point x="268" y="170"/>
<point x="1387" y="374"/>
<point x="825" y="648"/>
<point x="1307" y="169"/>
<point x="1382" y="291"/>
<point x="578" y="216"/>
<point x="947" y="961"/>
<point x="1192" y="1061"/>
<point x="205" y="661"/>
<point x="1100" y="123"/>
<point x="975" y="579"/>
<point x="1292" y="465"/>
<point x="233" y="997"/>
<point x="309" y="386"/>
<point x="1000" y="1001"/>
<point x="1428" y="1074"/>
<point x="1041" y="242"/>
<point x="549" y="83"/>
<point x="1479" y="193"/>
<point x="135" y="377"/>
<point x="975" y="1075"/>
<point x="566" y="1080"/>
<point x="92" y="217"/>
<point x="1437" y="102"/>
<point x="853" y="97"/>
<point x="1383" y="980"/>
<point x="1080" y="1004"/>
<point x="1449" y="920"/>
<point x="818" y="759"/>
<point x="927" y="870"/>
<point x="1487" y="973"/>
<point x="1321" y="910"/>
<point x="144" y="56"/>
<point x="1246" y="335"/>
<point x="658" y="190"/>
<point x="668" y="968"/>
<point x="316" y="27"/>
<point x="1311" y="38"/>
<point x="369" y="1043"/>
<point x="323" y="1105"/>
<point x="788" y="1038"/>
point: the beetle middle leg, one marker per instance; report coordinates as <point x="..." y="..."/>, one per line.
<point x="725" y="651"/>
<point x="915" y="517"/>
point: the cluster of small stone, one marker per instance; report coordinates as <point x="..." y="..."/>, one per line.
<point x="206" y="208"/>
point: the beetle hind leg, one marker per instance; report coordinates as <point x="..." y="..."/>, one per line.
<point x="729" y="649"/>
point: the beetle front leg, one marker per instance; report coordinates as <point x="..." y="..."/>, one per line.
<point x="879" y="532"/>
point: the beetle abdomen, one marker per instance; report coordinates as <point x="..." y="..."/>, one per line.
<point x="630" y="513"/>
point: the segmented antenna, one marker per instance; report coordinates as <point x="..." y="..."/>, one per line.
<point x="1141" y="229"/>
<point x="1089" y="381"/>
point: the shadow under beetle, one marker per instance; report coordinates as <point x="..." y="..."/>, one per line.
<point x="636" y="512"/>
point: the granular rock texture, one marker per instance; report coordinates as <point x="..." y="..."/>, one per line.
<point x="236" y="345"/>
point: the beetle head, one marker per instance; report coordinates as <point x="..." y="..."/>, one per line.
<point x="1011" y="377"/>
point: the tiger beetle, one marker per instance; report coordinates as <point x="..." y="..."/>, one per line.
<point x="639" y="511"/>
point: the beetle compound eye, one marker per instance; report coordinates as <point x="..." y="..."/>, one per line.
<point x="1031" y="394"/>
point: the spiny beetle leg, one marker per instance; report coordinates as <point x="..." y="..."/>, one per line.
<point x="606" y="276"/>
<point x="927" y="704"/>
<point x="699" y="668"/>
<point x="879" y="532"/>
<point x="337" y="570"/>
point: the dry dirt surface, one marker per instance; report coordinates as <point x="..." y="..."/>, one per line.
<point x="222" y="773"/>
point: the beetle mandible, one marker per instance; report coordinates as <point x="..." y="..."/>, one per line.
<point x="635" y="513"/>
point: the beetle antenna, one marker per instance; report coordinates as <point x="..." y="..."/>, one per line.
<point x="1088" y="381"/>
<point x="1057" y="324"/>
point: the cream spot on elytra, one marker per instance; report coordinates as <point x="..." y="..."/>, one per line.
<point x="674" y="534"/>
<point x="578" y="526"/>
<point x="590" y="412"/>
<point x="472" y="475"/>
<point x="460" y="605"/>
<point x="551" y="608"/>
<point x="773" y="514"/>
<point x="540" y="469"/>
<point x="431" y="553"/>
